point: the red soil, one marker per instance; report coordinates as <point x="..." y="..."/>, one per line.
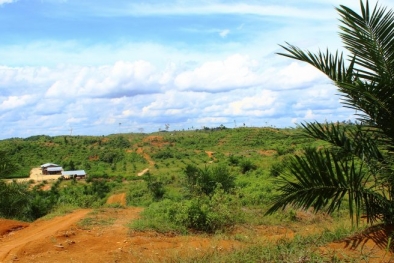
<point x="117" y="199"/>
<point x="105" y="237"/>
<point x="62" y="240"/>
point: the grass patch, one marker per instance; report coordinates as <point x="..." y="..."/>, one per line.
<point x="299" y="249"/>
<point x="95" y="219"/>
<point x="61" y="211"/>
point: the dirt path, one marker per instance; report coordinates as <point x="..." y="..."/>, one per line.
<point x="146" y="156"/>
<point x="15" y="242"/>
<point x="102" y="235"/>
<point x="143" y="172"/>
<point x="37" y="176"/>
<point x="117" y="199"/>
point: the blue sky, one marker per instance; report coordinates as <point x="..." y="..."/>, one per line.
<point x="96" y="67"/>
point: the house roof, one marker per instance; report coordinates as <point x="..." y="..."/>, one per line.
<point x="54" y="169"/>
<point x="45" y="165"/>
<point x="76" y="172"/>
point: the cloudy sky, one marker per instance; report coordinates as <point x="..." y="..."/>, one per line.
<point x="96" y="67"/>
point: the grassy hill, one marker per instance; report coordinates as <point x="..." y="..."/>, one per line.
<point x="163" y="152"/>
<point x="211" y="181"/>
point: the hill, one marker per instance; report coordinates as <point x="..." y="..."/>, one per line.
<point x="180" y="196"/>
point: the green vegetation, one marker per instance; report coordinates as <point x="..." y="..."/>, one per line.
<point x="189" y="171"/>
<point x="356" y="167"/>
<point x="300" y="249"/>
<point x="212" y="180"/>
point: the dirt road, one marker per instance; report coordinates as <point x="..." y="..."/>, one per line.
<point x="102" y="235"/>
<point x="14" y="243"/>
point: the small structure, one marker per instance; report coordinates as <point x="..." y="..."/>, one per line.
<point x="51" y="168"/>
<point x="77" y="174"/>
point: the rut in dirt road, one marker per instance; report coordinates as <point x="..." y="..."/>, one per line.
<point x="10" y="245"/>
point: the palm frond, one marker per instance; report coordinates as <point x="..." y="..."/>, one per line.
<point x="350" y="140"/>
<point x="331" y="65"/>
<point x="320" y="180"/>
<point x="367" y="83"/>
<point x="370" y="39"/>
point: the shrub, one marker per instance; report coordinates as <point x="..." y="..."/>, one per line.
<point x="247" y="165"/>
<point x="212" y="214"/>
<point x="233" y="160"/>
<point x="156" y="188"/>
<point x="204" y="181"/>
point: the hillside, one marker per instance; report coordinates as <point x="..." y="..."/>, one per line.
<point x="184" y="196"/>
<point x="128" y="154"/>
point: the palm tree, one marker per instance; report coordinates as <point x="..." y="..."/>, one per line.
<point x="357" y="166"/>
<point x="7" y="166"/>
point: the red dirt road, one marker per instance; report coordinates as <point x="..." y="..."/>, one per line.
<point x="14" y="243"/>
<point x="103" y="236"/>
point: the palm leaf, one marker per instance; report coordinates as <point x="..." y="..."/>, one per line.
<point x="331" y="65"/>
<point x="320" y="180"/>
<point x="349" y="139"/>
<point x="370" y="39"/>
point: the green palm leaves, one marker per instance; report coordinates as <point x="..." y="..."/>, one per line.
<point x="7" y="166"/>
<point x="356" y="166"/>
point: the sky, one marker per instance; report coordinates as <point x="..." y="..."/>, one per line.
<point x="98" y="67"/>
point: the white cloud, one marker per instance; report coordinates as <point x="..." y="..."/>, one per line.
<point x="121" y="79"/>
<point x="202" y="8"/>
<point x="224" y="33"/>
<point x="72" y="120"/>
<point x="189" y="74"/>
<point x="13" y="102"/>
<point x="293" y="75"/>
<point x="2" y="2"/>
<point x="256" y="105"/>
<point x="235" y="71"/>
<point x="309" y="115"/>
<point x="210" y="120"/>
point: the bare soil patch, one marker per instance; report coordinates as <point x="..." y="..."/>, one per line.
<point x="155" y="140"/>
<point x="9" y="226"/>
<point x="103" y="235"/>
<point x="143" y="172"/>
<point x="372" y="243"/>
<point x="117" y="199"/>
<point x="210" y="154"/>
<point x="268" y="152"/>
<point x="146" y="156"/>
<point x="37" y="238"/>
<point x="62" y="239"/>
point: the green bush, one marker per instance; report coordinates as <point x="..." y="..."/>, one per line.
<point x="247" y="165"/>
<point x="138" y="194"/>
<point x="217" y="213"/>
<point x="19" y="202"/>
<point x="204" y="181"/>
<point x="276" y="169"/>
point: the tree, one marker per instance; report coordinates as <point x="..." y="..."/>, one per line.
<point x="7" y="166"/>
<point x="357" y="167"/>
<point x="205" y="181"/>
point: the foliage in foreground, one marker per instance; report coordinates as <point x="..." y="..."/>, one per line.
<point x="21" y="201"/>
<point x="217" y="213"/>
<point x="358" y="165"/>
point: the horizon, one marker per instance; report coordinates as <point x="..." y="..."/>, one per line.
<point x="99" y="68"/>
